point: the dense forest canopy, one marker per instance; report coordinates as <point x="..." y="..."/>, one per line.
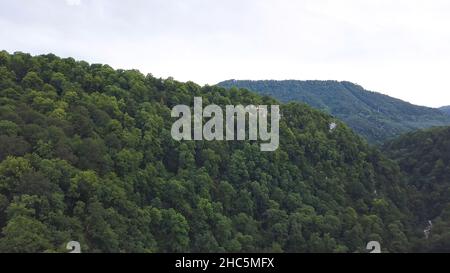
<point x="86" y="154"/>
<point x="374" y="116"/>
<point x="424" y="157"/>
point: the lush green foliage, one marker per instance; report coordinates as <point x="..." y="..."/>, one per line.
<point x="424" y="157"/>
<point x="375" y="116"/>
<point x="86" y="154"/>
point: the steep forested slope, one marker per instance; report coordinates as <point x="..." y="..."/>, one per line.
<point x="86" y="154"/>
<point x="424" y="156"/>
<point x="375" y="116"/>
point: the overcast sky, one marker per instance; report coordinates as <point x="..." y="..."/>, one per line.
<point x="400" y="48"/>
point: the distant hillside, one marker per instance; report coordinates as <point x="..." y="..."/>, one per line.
<point x="375" y="116"/>
<point x="445" y="109"/>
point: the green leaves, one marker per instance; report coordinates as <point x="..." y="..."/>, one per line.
<point x="33" y="81"/>
<point x="25" y="235"/>
<point x="11" y="170"/>
<point x="175" y="231"/>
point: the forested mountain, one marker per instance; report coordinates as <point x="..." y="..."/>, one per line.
<point x="86" y="154"/>
<point x="445" y="109"/>
<point x="375" y="116"/>
<point x="424" y="157"/>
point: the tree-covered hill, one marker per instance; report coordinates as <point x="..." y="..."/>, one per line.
<point x="424" y="157"/>
<point x="86" y="154"/>
<point x="375" y="116"/>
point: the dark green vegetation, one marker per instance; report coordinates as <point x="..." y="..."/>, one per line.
<point x="86" y="154"/>
<point x="375" y="116"/>
<point x="445" y="109"/>
<point x="424" y="157"/>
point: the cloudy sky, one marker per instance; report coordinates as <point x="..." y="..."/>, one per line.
<point x="400" y="48"/>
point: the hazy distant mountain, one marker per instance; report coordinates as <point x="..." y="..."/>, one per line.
<point x="375" y="116"/>
<point x="445" y="109"/>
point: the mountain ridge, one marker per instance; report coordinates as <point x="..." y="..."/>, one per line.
<point x="445" y="109"/>
<point x="377" y="117"/>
